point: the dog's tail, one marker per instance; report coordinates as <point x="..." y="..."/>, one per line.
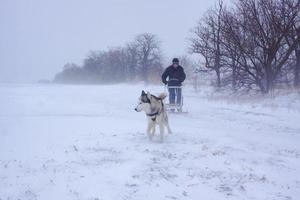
<point x="162" y="95"/>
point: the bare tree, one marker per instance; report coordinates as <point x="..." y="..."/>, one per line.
<point x="149" y="54"/>
<point x="265" y="24"/>
<point x="252" y="44"/>
<point x="138" y="60"/>
<point x="297" y="67"/>
<point x="131" y="51"/>
<point x="231" y="52"/>
<point x="291" y="38"/>
<point x="70" y="74"/>
<point x="206" y="40"/>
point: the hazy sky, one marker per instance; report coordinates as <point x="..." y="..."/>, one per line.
<point x="37" y="37"/>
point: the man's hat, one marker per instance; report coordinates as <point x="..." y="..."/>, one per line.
<point x="175" y="60"/>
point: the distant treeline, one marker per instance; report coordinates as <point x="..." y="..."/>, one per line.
<point x="139" y="60"/>
<point x="252" y="45"/>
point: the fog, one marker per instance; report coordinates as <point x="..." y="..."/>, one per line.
<point x="38" y="37"/>
<point x="79" y="123"/>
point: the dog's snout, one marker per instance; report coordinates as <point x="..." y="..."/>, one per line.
<point x="136" y="109"/>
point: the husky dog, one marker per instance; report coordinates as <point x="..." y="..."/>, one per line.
<point x="154" y="108"/>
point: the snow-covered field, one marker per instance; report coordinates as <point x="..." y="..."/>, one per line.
<point x="86" y="142"/>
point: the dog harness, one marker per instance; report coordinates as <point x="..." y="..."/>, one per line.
<point x="155" y="114"/>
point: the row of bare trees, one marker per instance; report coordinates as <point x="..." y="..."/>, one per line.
<point x="140" y="59"/>
<point x="253" y="45"/>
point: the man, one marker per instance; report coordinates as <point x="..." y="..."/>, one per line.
<point x="176" y="76"/>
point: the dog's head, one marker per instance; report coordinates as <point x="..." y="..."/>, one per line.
<point x="144" y="102"/>
<point x="147" y="100"/>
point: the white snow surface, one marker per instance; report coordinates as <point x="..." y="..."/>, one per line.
<point x="87" y="142"/>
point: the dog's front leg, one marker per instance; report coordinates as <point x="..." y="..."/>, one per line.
<point x="153" y="129"/>
<point x="167" y="124"/>
<point x="149" y="129"/>
<point x="169" y="129"/>
<point x="162" y="130"/>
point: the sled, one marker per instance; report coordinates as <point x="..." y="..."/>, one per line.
<point x="176" y="108"/>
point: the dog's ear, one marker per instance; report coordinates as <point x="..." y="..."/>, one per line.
<point x="143" y="93"/>
<point x="148" y="95"/>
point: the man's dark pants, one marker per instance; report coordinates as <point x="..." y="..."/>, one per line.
<point x="175" y="93"/>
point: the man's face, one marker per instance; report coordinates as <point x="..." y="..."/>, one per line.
<point x="175" y="64"/>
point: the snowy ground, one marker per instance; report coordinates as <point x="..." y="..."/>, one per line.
<point x="86" y="142"/>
